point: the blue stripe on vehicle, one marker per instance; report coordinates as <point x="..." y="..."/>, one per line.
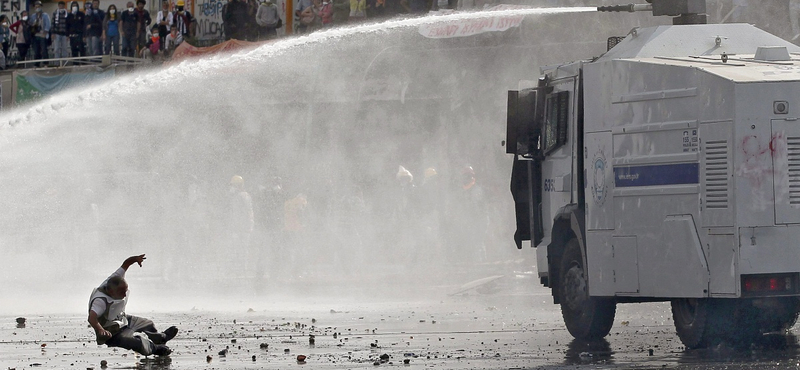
<point x="662" y="174"/>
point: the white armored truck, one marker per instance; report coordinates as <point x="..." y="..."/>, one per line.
<point x="667" y="169"/>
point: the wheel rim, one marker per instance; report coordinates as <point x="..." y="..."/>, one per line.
<point x="687" y="310"/>
<point x="575" y="294"/>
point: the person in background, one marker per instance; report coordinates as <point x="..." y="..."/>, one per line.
<point x="94" y="27"/>
<point x="267" y="18"/>
<point x="184" y="21"/>
<point x="143" y="21"/>
<point x="302" y="5"/>
<point x="114" y="328"/>
<point x="326" y="13"/>
<point x="172" y="41"/>
<point x="164" y="21"/>
<point x="76" y="27"/>
<point x="153" y="45"/>
<point x="127" y="30"/>
<point x="59" y="35"/>
<point x="240" y="220"/>
<point x="252" y="25"/>
<point x="5" y="34"/>
<point x="358" y="10"/>
<point x="23" y="31"/>
<point x="308" y="17"/>
<point x="111" y="30"/>
<point x="40" y="29"/>
<point x="235" y="15"/>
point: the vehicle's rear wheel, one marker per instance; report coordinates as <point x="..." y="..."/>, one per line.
<point x="586" y="317"/>
<point x="702" y="322"/>
<point x="692" y="321"/>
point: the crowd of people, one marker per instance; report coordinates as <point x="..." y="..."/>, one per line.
<point x="247" y="20"/>
<point x="92" y="31"/>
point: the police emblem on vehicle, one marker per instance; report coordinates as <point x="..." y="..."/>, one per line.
<point x="599" y="183"/>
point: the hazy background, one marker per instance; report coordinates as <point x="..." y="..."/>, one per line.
<point x="318" y="127"/>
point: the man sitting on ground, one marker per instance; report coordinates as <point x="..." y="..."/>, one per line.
<point x="117" y="329"/>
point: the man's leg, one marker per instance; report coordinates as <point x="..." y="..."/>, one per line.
<point x="126" y="339"/>
<point x="146" y="326"/>
<point x="64" y="46"/>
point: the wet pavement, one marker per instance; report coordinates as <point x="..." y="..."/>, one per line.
<point x="509" y="324"/>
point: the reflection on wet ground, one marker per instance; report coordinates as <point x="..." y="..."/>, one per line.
<point x="511" y="327"/>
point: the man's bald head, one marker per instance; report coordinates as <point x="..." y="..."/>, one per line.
<point x="117" y="287"/>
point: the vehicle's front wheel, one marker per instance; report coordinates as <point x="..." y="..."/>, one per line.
<point x="586" y="317"/>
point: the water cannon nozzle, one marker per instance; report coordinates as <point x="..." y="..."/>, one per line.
<point x="626" y="8"/>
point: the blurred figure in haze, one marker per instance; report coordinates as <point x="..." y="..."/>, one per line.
<point x="114" y="328"/>
<point x="40" y="28"/>
<point x="293" y="230"/>
<point x="402" y="227"/>
<point x="86" y="231"/>
<point x="60" y="46"/>
<point x="472" y="217"/>
<point x="94" y="27"/>
<point x="267" y="19"/>
<point x="23" y="31"/>
<point x="430" y="196"/>
<point x="240" y="219"/>
<point x="76" y="27"/>
<point x="111" y="31"/>
<point x="405" y="181"/>
<point x="269" y="203"/>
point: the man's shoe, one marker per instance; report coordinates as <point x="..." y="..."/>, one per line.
<point x="162" y="350"/>
<point x="157" y="338"/>
<point x="170" y="333"/>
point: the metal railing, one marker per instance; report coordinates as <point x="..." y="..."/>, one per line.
<point x="99" y="60"/>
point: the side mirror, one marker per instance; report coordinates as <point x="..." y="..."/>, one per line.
<point x="521" y="131"/>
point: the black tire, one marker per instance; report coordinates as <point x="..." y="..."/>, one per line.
<point x="703" y="322"/>
<point x="586" y="318"/>
<point x="692" y="319"/>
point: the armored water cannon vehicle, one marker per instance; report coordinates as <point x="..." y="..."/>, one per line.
<point x="667" y="169"/>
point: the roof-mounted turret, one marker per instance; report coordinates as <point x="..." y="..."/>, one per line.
<point x="682" y="11"/>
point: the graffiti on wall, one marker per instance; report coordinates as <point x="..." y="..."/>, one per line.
<point x="209" y="19"/>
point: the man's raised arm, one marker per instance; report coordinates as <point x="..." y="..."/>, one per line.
<point x="133" y="259"/>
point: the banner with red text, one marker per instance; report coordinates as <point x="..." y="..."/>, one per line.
<point x="469" y="27"/>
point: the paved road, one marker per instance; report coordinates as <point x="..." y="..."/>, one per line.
<point x="511" y="325"/>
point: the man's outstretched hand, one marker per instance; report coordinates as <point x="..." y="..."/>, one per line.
<point x="133" y="259"/>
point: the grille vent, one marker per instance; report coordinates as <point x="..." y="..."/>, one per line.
<point x="717" y="174"/>
<point x="793" y="148"/>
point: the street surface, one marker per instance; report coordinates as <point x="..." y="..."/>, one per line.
<point x="508" y="324"/>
